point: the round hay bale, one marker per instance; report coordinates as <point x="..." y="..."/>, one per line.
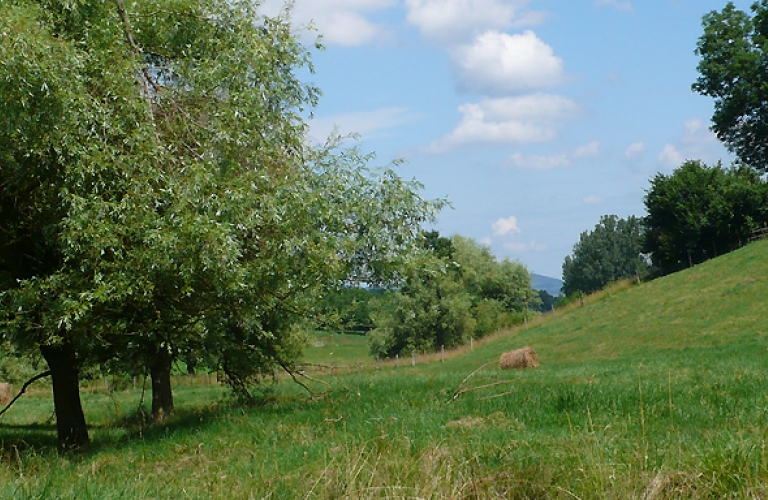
<point x="519" y="358"/>
<point x="5" y="393"/>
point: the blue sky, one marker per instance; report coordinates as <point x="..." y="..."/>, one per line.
<point x="534" y="117"/>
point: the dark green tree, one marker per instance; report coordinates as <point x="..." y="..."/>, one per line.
<point x="732" y="70"/>
<point x="699" y="212"/>
<point x="610" y="252"/>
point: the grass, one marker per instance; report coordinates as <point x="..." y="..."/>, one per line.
<point x="654" y="391"/>
<point x="333" y="349"/>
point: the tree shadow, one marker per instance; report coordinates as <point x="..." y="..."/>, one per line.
<point x="20" y="440"/>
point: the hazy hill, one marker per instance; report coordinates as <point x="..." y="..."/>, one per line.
<point x="550" y="285"/>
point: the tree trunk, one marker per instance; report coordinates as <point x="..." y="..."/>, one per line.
<point x="162" y="396"/>
<point x="70" y="420"/>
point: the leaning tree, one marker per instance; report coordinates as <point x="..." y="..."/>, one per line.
<point x="158" y="198"/>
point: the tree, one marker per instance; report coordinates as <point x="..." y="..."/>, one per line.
<point x="610" y="252"/>
<point x="158" y="199"/>
<point x="548" y="301"/>
<point x="733" y="52"/>
<point x="698" y="212"/>
<point x="457" y="291"/>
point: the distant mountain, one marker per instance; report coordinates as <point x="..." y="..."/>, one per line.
<point x="551" y="285"/>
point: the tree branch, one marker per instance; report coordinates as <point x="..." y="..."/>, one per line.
<point x="24" y="388"/>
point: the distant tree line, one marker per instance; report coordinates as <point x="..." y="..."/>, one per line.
<point x="693" y="214"/>
<point x="455" y="291"/>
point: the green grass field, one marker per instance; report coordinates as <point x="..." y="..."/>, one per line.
<point x="653" y="391"/>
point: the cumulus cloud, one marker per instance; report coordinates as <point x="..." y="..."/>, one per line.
<point x="588" y="150"/>
<point x="341" y="22"/>
<point x="453" y="21"/>
<point x="499" y="64"/>
<point x="696" y="141"/>
<point x="671" y="156"/>
<point x="506" y="226"/>
<point x="364" y="123"/>
<point x="553" y="161"/>
<point x="634" y="150"/>
<point x="625" y="5"/>
<point x="512" y="120"/>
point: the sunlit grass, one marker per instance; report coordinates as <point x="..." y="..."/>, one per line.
<point x="651" y="391"/>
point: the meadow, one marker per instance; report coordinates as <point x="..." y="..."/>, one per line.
<point x="654" y="390"/>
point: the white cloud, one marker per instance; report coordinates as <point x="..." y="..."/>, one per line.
<point x="511" y="120"/>
<point x="453" y="21"/>
<point x="624" y="5"/>
<point x="696" y="142"/>
<point x="589" y="150"/>
<point x="486" y="241"/>
<point x="525" y="246"/>
<point x="671" y="157"/>
<point x="553" y="161"/>
<point x="499" y="64"/>
<point x="506" y="226"/>
<point x="364" y="123"/>
<point x="634" y="150"/>
<point x="593" y="200"/>
<point x="540" y="162"/>
<point x="341" y="22"/>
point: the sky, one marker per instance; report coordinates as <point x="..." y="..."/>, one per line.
<point x="533" y="117"/>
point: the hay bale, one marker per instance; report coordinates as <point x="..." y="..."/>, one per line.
<point x="5" y="393"/>
<point x="519" y="358"/>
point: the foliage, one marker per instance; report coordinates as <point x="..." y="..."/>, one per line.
<point x="157" y="196"/>
<point x="458" y="291"/>
<point x="610" y="252"/>
<point x="698" y="212"/>
<point x="548" y="301"/>
<point x="347" y="310"/>
<point x="732" y="72"/>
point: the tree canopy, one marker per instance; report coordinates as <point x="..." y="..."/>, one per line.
<point x="158" y="199"/>
<point x="459" y="290"/>
<point x="732" y="71"/>
<point x="610" y="252"/>
<point x="700" y="211"/>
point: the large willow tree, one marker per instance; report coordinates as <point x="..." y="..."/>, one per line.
<point x="157" y="198"/>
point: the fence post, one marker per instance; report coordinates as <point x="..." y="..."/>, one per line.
<point x="413" y="358"/>
<point x="397" y="360"/>
<point x="471" y="344"/>
<point x="442" y="353"/>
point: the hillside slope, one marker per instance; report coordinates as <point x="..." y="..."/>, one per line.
<point x="720" y="302"/>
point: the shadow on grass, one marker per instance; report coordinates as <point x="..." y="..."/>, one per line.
<point x="24" y="438"/>
<point x="41" y="438"/>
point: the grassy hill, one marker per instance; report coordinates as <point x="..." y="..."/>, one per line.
<point x="650" y="391"/>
